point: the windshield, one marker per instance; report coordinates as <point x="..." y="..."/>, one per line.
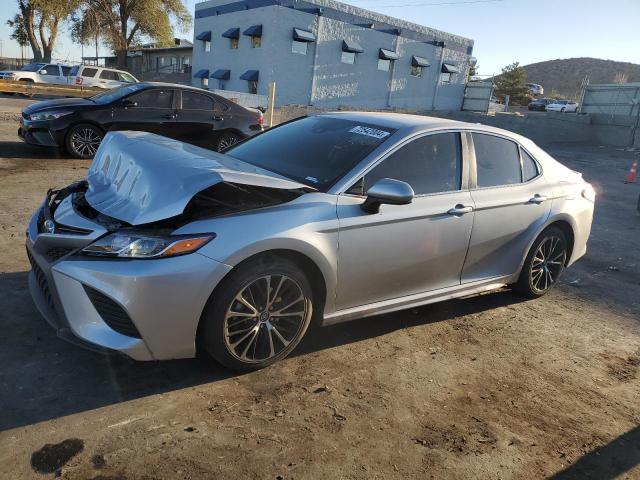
<point x="116" y="93"/>
<point x="32" y="67"/>
<point x="316" y="151"/>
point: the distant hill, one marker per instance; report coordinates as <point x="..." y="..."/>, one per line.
<point x="565" y="76"/>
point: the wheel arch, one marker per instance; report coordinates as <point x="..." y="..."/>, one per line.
<point x="305" y="262"/>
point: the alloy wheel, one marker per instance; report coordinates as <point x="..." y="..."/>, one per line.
<point x="547" y="263"/>
<point x="85" y="142"/>
<point x="227" y="142"/>
<point x="264" y="318"/>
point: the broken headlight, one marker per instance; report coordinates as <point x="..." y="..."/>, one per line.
<point x="143" y="246"/>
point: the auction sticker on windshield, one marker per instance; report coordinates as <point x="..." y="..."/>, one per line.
<point x="369" y="132"/>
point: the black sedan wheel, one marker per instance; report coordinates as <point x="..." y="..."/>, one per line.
<point x="226" y="141"/>
<point x="83" y="140"/>
<point x="544" y="263"/>
<point x="258" y="315"/>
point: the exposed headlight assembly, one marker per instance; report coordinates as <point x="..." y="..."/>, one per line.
<point x="123" y="245"/>
<point x="49" y="115"/>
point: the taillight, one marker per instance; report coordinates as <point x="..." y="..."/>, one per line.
<point x="261" y="119"/>
<point x="78" y="80"/>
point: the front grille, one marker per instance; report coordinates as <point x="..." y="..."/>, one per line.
<point x="112" y="313"/>
<point x="41" y="280"/>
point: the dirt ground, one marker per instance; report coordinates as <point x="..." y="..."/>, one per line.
<point x="487" y="387"/>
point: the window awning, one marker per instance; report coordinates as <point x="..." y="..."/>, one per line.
<point x="419" y="62"/>
<point x="204" y="36"/>
<point x="449" y="68"/>
<point x="201" y="74"/>
<point x="387" y="54"/>
<point x="221" y="74"/>
<point x="253" y="31"/>
<point x="351" y="46"/>
<point x="232" y="33"/>
<point x="251" y="75"/>
<point x="303" y="36"/>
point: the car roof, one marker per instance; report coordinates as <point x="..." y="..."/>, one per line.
<point x="407" y="124"/>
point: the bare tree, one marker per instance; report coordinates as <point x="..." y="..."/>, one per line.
<point x="620" y="78"/>
<point x="124" y="23"/>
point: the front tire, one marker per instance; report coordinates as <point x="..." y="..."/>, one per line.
<point x="544" y="264"/>
<point x="258" y="314"/>
<point x="83" y="140"/>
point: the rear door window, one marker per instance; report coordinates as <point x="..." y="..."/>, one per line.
<point x="497" y="161"/>
<point x="109" y="75"/>
<point x="196" y="101"/>
<point x="89" y="72"/>
<point x="153" y="98"/>
<point x="66" y="71"/>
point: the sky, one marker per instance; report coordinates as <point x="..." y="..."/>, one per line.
<point x="504" y="31"/>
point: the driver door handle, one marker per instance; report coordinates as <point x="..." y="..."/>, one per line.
<point x="538" y="199"/>
<point x="460" y="210"/>
<point x="169" y="116"/>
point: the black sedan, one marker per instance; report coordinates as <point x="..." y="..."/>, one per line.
<point x="185" y="113"/>
<point x="540" y="104"/>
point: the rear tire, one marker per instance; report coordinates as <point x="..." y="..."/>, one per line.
<point x="257" y="315"/>
<point x="83" y="140"/>
<point x="544" y="264"/>
<point x="226" y="141"/>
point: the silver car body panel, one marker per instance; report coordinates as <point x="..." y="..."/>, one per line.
<point x="140" y="177"/>
<point x="401" y="257"/>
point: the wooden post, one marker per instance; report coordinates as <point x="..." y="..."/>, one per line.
<point x="270" y="103"/>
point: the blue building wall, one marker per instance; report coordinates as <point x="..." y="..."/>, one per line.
<point x="319" y="78"/>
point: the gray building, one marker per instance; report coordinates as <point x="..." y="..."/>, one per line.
<point x="327" y="54"/>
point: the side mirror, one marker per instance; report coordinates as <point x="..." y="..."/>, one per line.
<point x="387" y="191"/>
<point x="129" y="103"/>
<point x="43" y="72"/>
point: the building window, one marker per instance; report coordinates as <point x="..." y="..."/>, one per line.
<point x="221" y="84"/>
<point x="348" y="57"/>
<point x="384" y="64"/>
<point x="256" y="42"/>
<point x="416" y="71"/>
<point x="233" y="43"/>
<point x="253" y="86"/>
<point x="206" y="44"/>
<point x="299" y="47"/>
<point x="445" y="77"/>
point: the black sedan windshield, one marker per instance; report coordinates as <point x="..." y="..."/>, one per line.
<point x="116" y="94"/>
<point x="316" y="151"/>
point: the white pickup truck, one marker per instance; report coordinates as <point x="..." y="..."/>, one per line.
<point x="50" y="73"/>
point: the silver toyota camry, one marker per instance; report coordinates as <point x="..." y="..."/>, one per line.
<point x="167" y="249"/>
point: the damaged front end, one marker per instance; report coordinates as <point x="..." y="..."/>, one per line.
<point x="140" y="189"/>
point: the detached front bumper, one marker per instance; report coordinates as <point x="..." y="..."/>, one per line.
<point x="146" y="309"/>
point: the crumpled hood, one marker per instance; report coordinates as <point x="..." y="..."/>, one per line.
<point x="140" y="177"/>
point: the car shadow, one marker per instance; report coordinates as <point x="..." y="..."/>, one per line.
<point x="43" y="377"/>
<point x="19" y="149"/>
<point x="606" y="462"/>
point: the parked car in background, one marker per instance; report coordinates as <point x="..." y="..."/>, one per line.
<point x="540" y="104"/>
<point x="101" y="77"/>
<point x="49" y="73"/>
<point x="568" y="106"/>
<point x="168" y="248"/>
<point x="535" y="89"/>
<point x="184" y="113"/>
